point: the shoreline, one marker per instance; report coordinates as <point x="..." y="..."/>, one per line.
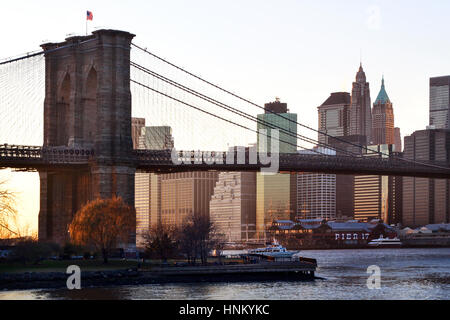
<point x="197" y="274"/>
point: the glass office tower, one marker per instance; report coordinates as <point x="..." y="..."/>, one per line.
<point x="148" y="185"/>
<point x="276" y="193"/>
<point x="440" y="102"/>
<point x="425" y="200"/>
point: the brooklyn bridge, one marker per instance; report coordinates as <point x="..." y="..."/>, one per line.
<point x="87" y="150"/>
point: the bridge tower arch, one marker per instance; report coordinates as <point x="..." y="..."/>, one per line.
<point x="87" y="106"/>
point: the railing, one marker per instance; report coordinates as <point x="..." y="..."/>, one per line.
<point x="168" y="161"/>
<point x="47" y="155"/>
<point x="236" y="161"/>
<point x="66" y="155"/>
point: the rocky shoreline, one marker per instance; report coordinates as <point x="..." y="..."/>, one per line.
<point x="57" y="280"/>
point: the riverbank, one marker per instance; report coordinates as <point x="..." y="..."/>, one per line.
<point x="294" y="271"/>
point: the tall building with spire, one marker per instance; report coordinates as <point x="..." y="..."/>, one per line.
<point x="360" y="107"/>
<point x="383" y="119"/>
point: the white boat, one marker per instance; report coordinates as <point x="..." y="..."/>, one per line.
<point x="385" y="242"/>
<point x="274" y="250"/>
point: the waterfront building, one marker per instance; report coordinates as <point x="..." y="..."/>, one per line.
<point x="426" y="201"/>
<point x="322" y="234"/>
<point x="316" y="192"/>
<point x="233" y="206"/>
<point x="440" y="102"/>
<point x="383" y="119"/>
<point x="276" y="193"/>
<point x="360" y="107"/>
<point x="334" y="116"/>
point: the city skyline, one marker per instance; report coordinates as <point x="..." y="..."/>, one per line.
<point x="315" y="84"/>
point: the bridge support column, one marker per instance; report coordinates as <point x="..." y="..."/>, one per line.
<point x="111" y="181"/>
<point x="88" y="106"/>
<point x="62" y="195"/>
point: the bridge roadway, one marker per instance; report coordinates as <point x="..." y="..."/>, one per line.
<point x="32" y="158"/>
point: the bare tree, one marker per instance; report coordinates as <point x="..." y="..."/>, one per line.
<point x="198" y="237"/>
<point x="8" y="213"/>
<point x="161" y="242"/>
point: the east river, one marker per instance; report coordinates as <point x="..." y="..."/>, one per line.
<point x="405" y="274"/>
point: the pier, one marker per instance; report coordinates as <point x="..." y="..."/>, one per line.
<point x="263" y="271"/>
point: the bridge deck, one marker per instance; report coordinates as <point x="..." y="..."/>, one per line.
<point x="164" y="161"/>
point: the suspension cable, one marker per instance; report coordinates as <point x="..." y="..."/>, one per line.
<point x="37" y="53"/>
<point x="281" y="116"/>
<point x="214" y="115"/>
<point x="234" y="110"/>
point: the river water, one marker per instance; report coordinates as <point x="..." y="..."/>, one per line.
<point x="405" y="274"/>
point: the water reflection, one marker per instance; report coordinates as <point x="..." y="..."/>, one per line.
<point x="405" y="273"/>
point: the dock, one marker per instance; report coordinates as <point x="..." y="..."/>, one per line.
<point x="264" y="271"/>
<point x="240" y="272"/>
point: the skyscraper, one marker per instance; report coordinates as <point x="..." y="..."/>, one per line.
<point x="148" y="185"/>
<point x="440" y="102"/>
<point x="398" y="140"/>
<point x="334" y="116"/>
<point x="426" y="201"/>
<point x="382" y="119"/>
<point x="345" y="182"/>
<point x="276" y="194"/>
<point x="136" y="125"/>
<point x="277" y="114"/>
<point x="360" y="109"/>
<point x="185" y="193"/>
<point x="156" y="138"/>
<point x="316" y="192"/>
<point x="377" y="197"/>
<point x="233" y="205"/>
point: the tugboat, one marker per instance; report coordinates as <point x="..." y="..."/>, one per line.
<point x="385" y="242"/>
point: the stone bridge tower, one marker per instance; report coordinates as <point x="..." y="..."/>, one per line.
<point x="87" y="106"/>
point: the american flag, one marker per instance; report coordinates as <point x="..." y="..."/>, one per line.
<point x="89" y="16"/>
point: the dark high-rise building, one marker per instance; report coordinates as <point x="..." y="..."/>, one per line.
<point x="440" y="102"/>
<point x="395" y="191"/>
<point x="382" y="119"/>
<point x="360" y="109"/>
<point x="334" y="116"/>
<point x="426" y="201"/>
<point x="398" y="140"/>
<point x="345" y="182"/>
<point x="378" y="197"/>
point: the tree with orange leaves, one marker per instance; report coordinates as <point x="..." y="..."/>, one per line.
<point x="102" y="224"/>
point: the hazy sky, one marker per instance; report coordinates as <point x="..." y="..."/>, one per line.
<point x="297" y="50"/>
